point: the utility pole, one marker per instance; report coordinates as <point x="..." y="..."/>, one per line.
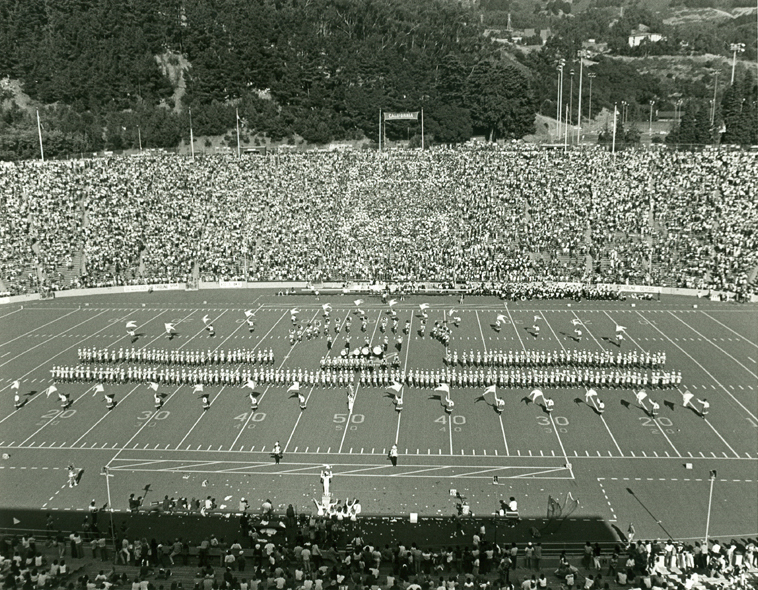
<point x="591" y="76"/>
<point x="39" y="132"/>
<point x="192" y="137"/>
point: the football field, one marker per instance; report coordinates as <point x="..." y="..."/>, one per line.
<point x="622" y="465"/>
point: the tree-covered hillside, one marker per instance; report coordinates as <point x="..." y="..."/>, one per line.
<point x="316" y="68"/>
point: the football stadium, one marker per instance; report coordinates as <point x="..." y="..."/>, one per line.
<point x="476" y="363"/>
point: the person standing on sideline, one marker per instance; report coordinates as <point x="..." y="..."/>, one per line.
<point x="277" y="452"/>
<point x="392" y="456"/>
<point x="529" y="556"/>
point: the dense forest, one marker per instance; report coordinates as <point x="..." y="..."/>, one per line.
<point x="319" y="69"/>
<point x="112" y="75"/>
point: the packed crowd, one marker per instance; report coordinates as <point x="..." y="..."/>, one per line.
<point x="493" y="216"/>
<point x="327" y="553"/>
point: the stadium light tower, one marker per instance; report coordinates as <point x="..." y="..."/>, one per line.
<point x="650" y="127"/>
<point x="736" y="48"/>
<point x="582" y="55"/>
<point x="571" y="97"/>
<point x="561" y="64"/>
<point x="591" y="76"/>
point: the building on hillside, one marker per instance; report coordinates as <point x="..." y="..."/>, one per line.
<point x="519" y="36"/>
<point x="594" y="47"/>
<point x="642" y="35"/>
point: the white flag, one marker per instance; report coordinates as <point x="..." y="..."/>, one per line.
<point x="537" y="318"/>
<point x="251" y="384"/>
<point x="491" y="389"/>
<point x="576" y="322"/>
<point x="294" y="387"/>
<point x="131" y="325"/>
<point x="16" y="384"/>
<point x="294" y="311"/>
<point x="687" y="398"/>
<point x="153" y="386"/>
<point x="198" y="387"/>
<point x="535" y="394"/>
<point x="391" y="302"/>
<point x="99" y="388"/>
<point x="640" y="395"/>
<point x="249" y="313"/>
<point x="327" y="307"/>
<point x="444" y="387"/>
<point x="423" y="306"/>
<point x="501" y="318"/>
<point x="589" y="395"/>
<point x="169" y="328"/>
<point x="205" y="319"/>
<point x="51" y="390"/>
<point x="620" y="329"/>
<point x="452" y="312"/>
<point x="358" y="302"/>
<point x="396" y="387"/>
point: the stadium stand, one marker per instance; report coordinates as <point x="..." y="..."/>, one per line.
<point x="501" y="214"/>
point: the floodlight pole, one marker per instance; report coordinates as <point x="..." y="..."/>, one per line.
<point x="106" y="472"/>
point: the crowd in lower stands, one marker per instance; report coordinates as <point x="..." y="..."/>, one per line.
<point x="493" y="216"/>
<point x="329" y="553"/>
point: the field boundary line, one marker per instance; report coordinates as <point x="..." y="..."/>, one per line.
<point x="130" y="392"/>
<point x="602" y="418"/>
<point x="357" y="387"/>
<point x="58" y="335"/>
<point x="47" y="361"/>
<point x="39" y="327"/>
<point x="707" y="372"/>
<point x="552" y="421"/>
<point x="405" y="368"/>
<point x="750" y="342"/>
<point x="268" y="387"/>
<point x="714" y="344"/>
<point x="169" y="397"/>
<point x="11" y="313"/>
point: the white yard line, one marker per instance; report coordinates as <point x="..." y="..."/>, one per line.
<point x="38" y="327"/>
<point x="724" y="352"/>
<point x="707" y="372"/>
